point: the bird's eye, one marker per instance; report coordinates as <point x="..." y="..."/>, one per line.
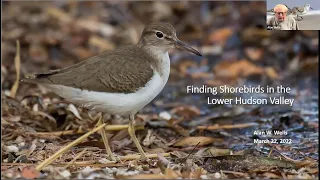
<point x="159" y="35"/>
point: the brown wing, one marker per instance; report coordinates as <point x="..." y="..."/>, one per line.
<point x="298" y="9"/>
<point x="109" y="72"/>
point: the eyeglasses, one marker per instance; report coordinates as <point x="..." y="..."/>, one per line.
<point x="283" y="13"/>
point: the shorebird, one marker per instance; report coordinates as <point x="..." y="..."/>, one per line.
<point x="121" y="81"/>
<point x="298" y="11"/>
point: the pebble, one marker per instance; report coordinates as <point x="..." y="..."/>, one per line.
<point x="11" y="148"/>
<point x="217" y="175"/>
<point x="165" y="115"/>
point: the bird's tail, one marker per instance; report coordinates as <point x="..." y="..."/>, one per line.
<point x="30" y="79"/>
<point x="39" y="77"/>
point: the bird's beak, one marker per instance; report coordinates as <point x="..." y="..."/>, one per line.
<point x="183" y="45"/>
<point x="311" y="8"/>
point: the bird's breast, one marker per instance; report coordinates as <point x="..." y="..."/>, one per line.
<point x="165" y="67"/>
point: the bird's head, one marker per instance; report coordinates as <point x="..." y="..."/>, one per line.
<point x="163" y="37"/>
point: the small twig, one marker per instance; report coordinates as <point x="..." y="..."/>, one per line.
<point x="269" y="155"/>
<point x="75" y="158"/>
<point x="123" y="158"/>
<point x="233" y="126"/>
<point x="81" y="131"/>
<point x="137" y="156"/>
<point x="66" y="148"/>
<point x="78" y="164"/>
<point x="211" y="153"/>
<point x="186" y="158"/>
<point x="234" y="172"/>
<point x="17" y="64"/>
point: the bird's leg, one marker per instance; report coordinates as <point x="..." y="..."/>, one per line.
<point x="105" y="140"/>
<point x="132" y="133"/>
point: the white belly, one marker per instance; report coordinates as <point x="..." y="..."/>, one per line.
<point x="117" y="103"/>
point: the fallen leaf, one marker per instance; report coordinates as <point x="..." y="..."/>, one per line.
<point x="201" y="75"/>
<point x="185" y="65"/>
<point x="232" y="126"/>
<point x="163" y="159"/>
<point x="254" y="54"/>
<point x="143" y="176"/>
<point x="171" y="174"/>
<point x="59" y="14"/>
<point x="74" y="110"/>
<point x="220" y="36"/>
<point x="236" y="69"/>
<point x="30" y="172"/>
<point x="185" y="172"/>
<point x="192" y="141"/>
<point x="65" y="173"/>
<point x="310" y="65"/>
<point x="95" y="26"/>
<point x="271" y="72"/>
<point x="38" y="53"/>
<point x="186" y="111"/>
<point x="304" y="176"/>
<point x="312" y="170"/>
<point x="11" y="148"/>
<point x="218" y="82"/>
<point x="304" y="163"/>
<point x="211" y="50"/>
<point x="148" y="140"/>
<point x="218" y="152"/>
<point x="79" y="52"/>
<point x="102" y="44"/>
<point x="271" y="175"/>
<point x="237" y="174"/>
<point x="258" y="34"/>
<point x="196" y="174"/>
<point x="179" y="154"/>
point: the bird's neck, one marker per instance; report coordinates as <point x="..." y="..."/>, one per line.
<point x="161" y="58"/>
<point x="155" y="51"/>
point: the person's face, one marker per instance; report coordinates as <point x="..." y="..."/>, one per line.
<point x="280" y="14"/>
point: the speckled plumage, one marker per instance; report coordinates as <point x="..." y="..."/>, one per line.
<point x="121" y="70"/>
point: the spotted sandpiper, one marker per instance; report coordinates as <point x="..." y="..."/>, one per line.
<point x="121" y="81"/>
<point x="301" y="10"/>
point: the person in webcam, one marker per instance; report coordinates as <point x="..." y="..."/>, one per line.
<point x="281" y="21"/>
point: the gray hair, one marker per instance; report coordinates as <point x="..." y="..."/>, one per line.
<point x="280" y="6"/>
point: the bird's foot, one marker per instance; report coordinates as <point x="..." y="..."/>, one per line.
<point x="115" y="159"/>
<point x="106" y="141"/>
<point x="144" y="158"/>
<point x="132" y="133"/>
<point x="111" y="157"/>
<point x="300" y="18"/>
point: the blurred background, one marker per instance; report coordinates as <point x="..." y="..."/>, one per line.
<point x="57" y="34"/>
<point x="236" y="50"/>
